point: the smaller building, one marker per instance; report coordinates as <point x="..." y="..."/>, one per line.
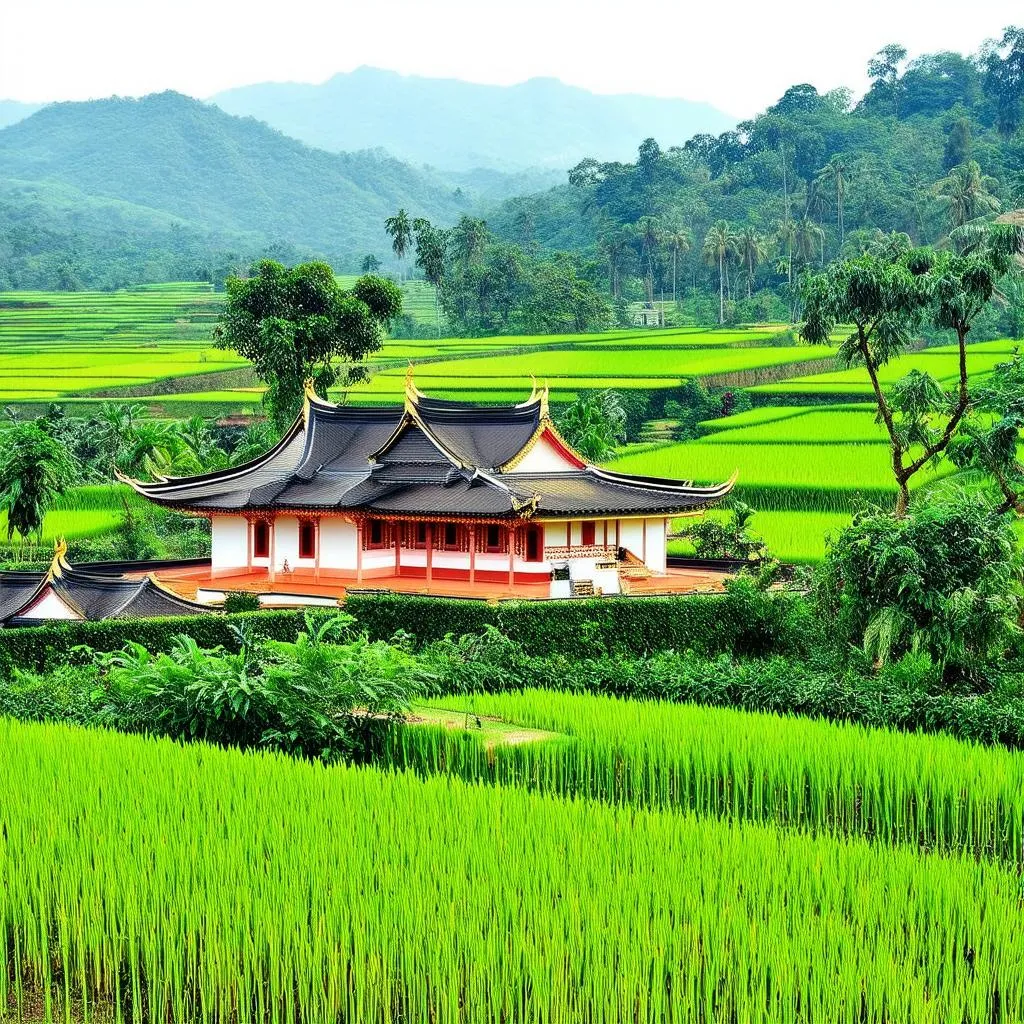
<point x="65" y="592"/>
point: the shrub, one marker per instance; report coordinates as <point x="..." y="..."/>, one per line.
<point x="241" y="601"/>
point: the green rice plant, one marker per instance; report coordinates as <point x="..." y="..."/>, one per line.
<point x="815" y="426"/>
<point x="791" y="536"/>
<point x="145" y="881"/>
<point x="933" y="792"/>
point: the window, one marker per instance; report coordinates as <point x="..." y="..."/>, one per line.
<point x="450" y="537"/>
<point x="260" y="539"/>
<point x="375" y="535"/>
<point x="587" y="534"/>
<point x="307" y="538"/>
<point x="493" y="538"/>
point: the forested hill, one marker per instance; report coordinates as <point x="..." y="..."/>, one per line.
<point x="460" y="125"/>
<point x="933" y="143"/>
<point x="12" y="111"/>
<point x="189" y="186"/>
<point x="177" y="155"/>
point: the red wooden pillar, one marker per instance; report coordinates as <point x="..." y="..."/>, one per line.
<point x="472" y="553"/>
<point x="250" y="536"/>
<point x="396" y="537"/>
<point x="430" y="553"/>
<point x="273" y="546"/>
<point x="510" y="533"/>
<point x="359" y="552"/>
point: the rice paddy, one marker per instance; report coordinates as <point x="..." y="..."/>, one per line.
<point x="808" y="453"/>
<point x="189" y="884"/>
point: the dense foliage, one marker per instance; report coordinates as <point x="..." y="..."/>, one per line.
<point x="298" y="325"/>
<point x="726" y="224"/>
<point x="946" y="579"/>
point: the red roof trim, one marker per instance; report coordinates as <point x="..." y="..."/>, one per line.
<point x="562" y="448"/>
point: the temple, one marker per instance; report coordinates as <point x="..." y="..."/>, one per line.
<point x="67" y="592"/>
<point x="435" y="496"/>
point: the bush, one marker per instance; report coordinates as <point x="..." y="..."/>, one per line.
<point x="241" y="601"/>
<point x="944" y="580"/>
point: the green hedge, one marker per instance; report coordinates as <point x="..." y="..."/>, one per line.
<point x="742" y="621"/>
<point x="42" y="648"/>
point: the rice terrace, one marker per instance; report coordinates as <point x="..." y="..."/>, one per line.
<point x="510" y="554"/>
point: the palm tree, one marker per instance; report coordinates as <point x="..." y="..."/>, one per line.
<point x="649" y="232"/>
<point x="785" y="235"/>
<point x="965" y="194"/>
<point x="836" y="174"/>
<point x="399" y="227"/>
<point x="678" y="240"/>
<point x="719" y="246"/>
<point x="753" y="251"/>
<point x="809" y="239"/>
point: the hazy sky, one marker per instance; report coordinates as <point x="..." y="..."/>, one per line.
<point x="739" y="55"/>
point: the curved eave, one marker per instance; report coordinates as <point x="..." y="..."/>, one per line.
<point x="164" y="488"/>
<point x="681" y="487"/>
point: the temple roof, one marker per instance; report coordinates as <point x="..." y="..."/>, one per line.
<point x="428" y="458"/>
<point x="31" y="597"/>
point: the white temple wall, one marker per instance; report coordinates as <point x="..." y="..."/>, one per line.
<point x="631" y="535"/>
<point x="50" y="606"/>
<point x="657" y="545"/>
<point x="338" y="544"/>
<point x="286" y="542"/>
<point x="544" y="457"/>
<point x="229" y="542"/>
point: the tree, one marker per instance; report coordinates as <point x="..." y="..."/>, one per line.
<point x="399" y="227"/>
<point x="959" y="141"/>
<point x="809" y="239"/>
<point x="679" y="241"/>
<point x="944" y="581"/>
<point x="431" y="249"/>
<point x="886" y="294"/>
<point x="648" y="231"/>
<point x="964" y="192"/>
<point x="836" y="174"/>
<point x="299" y="324"/>
<point x="1003" y="63"/>
<point x="719" y="246"/>
<point x="370" y="264"/>
<point x="991" y="433"/>
<point x="884" y="72"/>
<point x="35" y="470"/>
<point x="753" y="251"/>
<point x="595" y="425"/>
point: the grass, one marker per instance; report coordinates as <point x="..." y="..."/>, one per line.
<point x="193" y="884"/>
<point x="931" y="791"/>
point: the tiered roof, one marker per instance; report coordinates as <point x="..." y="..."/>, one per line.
<point x="25" y="597"/>
<point x="429" y="458"/>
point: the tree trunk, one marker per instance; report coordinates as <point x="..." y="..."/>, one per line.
<point x="674" y="254"/>
<point x="721" y="291"/>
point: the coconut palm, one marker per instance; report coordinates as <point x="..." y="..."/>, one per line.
<point x="965" y="194"/>
<point x="752" y="248"/>
<point x="649" y="232"/>
<point x="678" y="240"/>
<point x="719" y="247"/>
<point x="809" y="239"/>
<point x="399" y="227"/>
<point x="836" y="174"/>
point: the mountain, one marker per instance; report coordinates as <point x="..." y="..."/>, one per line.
<point x="11" y="111"/>
<point x="460" y="125"/>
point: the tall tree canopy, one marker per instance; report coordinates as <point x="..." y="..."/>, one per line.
<point x="297" y="324"/>
<point x="35" y="469"/>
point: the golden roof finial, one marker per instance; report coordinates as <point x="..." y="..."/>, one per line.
<point x="59" y="563"/>
<point x="308" y="395"/>
<point x="544" y="402"/>
<point x="411" y="391"/>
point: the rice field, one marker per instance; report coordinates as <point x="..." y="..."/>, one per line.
<point x="932" y="792"/>
<point x="160" y="882"/>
